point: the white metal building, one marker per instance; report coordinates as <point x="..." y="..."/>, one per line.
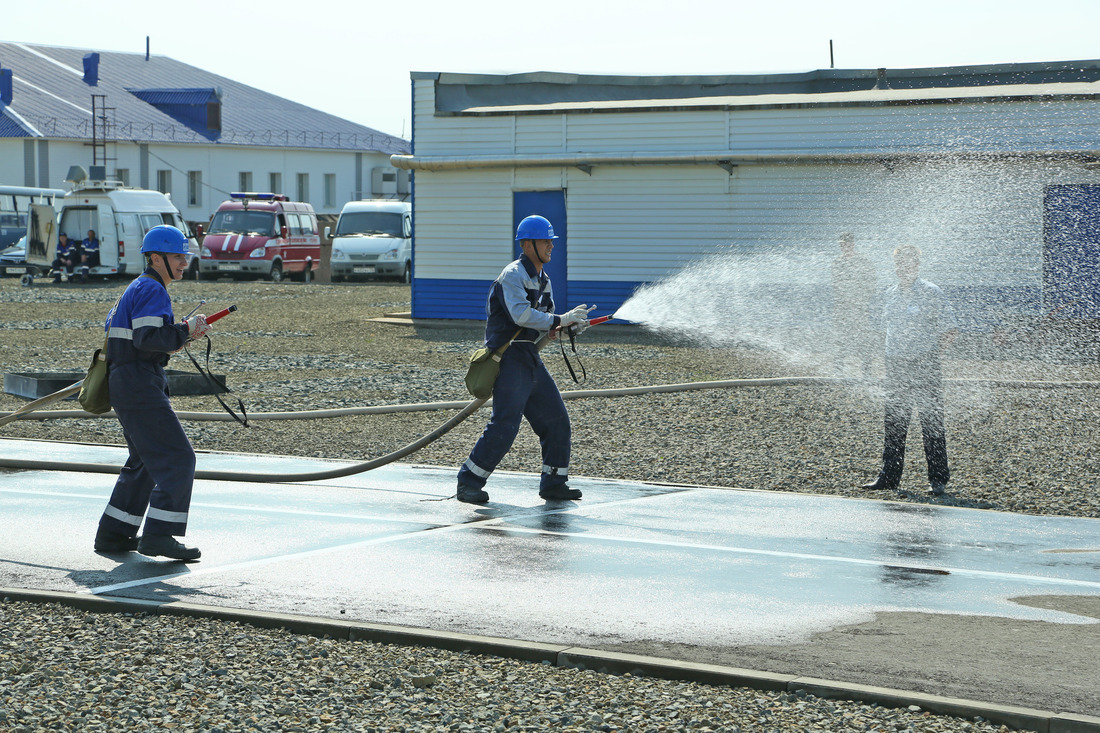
<point x="153" y="122"/>
<point x="990" y="170"/>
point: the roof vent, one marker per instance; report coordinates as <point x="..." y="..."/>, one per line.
<point x="91" y="69"/>
<point x="5" y="86"/>
<point x="199" y="109"/>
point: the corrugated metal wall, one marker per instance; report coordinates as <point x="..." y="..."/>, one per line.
<point x="979" y="223"/>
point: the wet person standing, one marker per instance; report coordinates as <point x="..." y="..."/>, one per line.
<point x="155" y="484"/>
<point x="854" y="286"/>
<point x="920" y="325"/>
<point x="522" y="300"/>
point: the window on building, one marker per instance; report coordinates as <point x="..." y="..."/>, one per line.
<point x="194" y="188"/>
<point x="122" y="175"/>
<point x="244" y="181"/>
<point x="303" y="187"/>
<point x="214" y="116"/>
<point x="330" y="190"/>
<point x="276" y="182"/>
<point x="164" y="181"/>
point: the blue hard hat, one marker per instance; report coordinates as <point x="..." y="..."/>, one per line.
<point x="535" y="227"/>
<point x="165" y="238"/>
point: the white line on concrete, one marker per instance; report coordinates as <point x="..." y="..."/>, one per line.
<point x="299" y="555"/>
<point x="817" y="558"/>
<point x="495" y="522"/>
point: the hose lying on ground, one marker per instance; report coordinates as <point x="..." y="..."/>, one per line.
<point x="468" y="408"/>
<point x="25" y="412"/>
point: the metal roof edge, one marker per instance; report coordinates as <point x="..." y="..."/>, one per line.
<point x="566" y="78"/>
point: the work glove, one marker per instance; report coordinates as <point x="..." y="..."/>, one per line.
<point x="578" y="318"/>
<point x="197" y="327"/>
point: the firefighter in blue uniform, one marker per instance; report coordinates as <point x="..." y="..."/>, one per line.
<point x="68" y="257"/>
<point x="155" y="484"/>
<point x="89" y="255"/>
<point x="522" y="299"/>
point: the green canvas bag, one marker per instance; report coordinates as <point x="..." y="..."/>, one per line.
<point x="484" y="368"/>
<point x="94" y="394"/>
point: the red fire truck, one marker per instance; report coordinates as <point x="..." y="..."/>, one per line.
<point x="261" y="235"/>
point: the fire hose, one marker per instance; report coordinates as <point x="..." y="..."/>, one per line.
<point x="75" y="386"/>
<point x="349" y="470"/>
<point x="467" y="409"/>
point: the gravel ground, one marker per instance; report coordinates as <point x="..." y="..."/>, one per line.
<point x="71" y="670"/>
<point x="294" y="347"/>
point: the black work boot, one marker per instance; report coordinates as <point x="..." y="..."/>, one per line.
<point x="881" y="484"/>
<point x="107" y="541"/>
<point x="561" y="492"/>
<point x="472" y="494"/>
<point x="162" y="545"/>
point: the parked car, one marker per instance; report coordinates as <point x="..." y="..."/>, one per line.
<point x="261" y="235"/>
<point x="13" y="259"/>
<point x="372" y="239"/>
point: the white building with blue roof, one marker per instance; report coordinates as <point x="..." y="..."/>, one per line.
<point x="991" y="170"/>
<point x="153" y="122"/>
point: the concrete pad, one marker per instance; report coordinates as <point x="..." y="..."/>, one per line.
<point x="777" y="585"/>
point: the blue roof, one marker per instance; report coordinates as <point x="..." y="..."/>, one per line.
<point x="160" y="99"/>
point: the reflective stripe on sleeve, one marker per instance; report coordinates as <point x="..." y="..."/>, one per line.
<point x="144" y="321"/>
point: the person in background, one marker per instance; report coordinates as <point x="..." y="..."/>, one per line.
<point x="89" y="256"/>
<point x="522" y="300"/>
<point x="920" y="325"/>
<point x="67" y="259"/>
<point x="155" y="484"/>
<point x="854" y="286"/>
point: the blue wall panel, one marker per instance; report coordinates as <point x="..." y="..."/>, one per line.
<point x="436" y="298"/>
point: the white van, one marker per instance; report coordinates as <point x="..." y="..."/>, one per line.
<point x="119" y="215"/>
<point x="372" y="239"/>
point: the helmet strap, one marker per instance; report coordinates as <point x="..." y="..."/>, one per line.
<point x="535" y="249"/>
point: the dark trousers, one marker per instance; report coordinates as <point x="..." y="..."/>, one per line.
<point x="914" y="384"/>
<point x="524" y="389"/>
<point x="60" y="264"/>
<point x="156" y="482"/>
<point x="92" y="261"/>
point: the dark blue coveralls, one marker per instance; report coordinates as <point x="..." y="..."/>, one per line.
<point x="521" y="298"/>
<point x="71" y="252"/>
<point x="90" y="249"/>
<point x="156" y="481"/>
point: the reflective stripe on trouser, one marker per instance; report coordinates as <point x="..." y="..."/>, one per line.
<point x="524" y="389"/>
<point x="157" y="479"/>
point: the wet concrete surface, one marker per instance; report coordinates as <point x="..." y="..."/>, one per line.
<point x="958" y="602"/>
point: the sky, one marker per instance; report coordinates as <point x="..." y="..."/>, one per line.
<point x="353" y="59"/>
